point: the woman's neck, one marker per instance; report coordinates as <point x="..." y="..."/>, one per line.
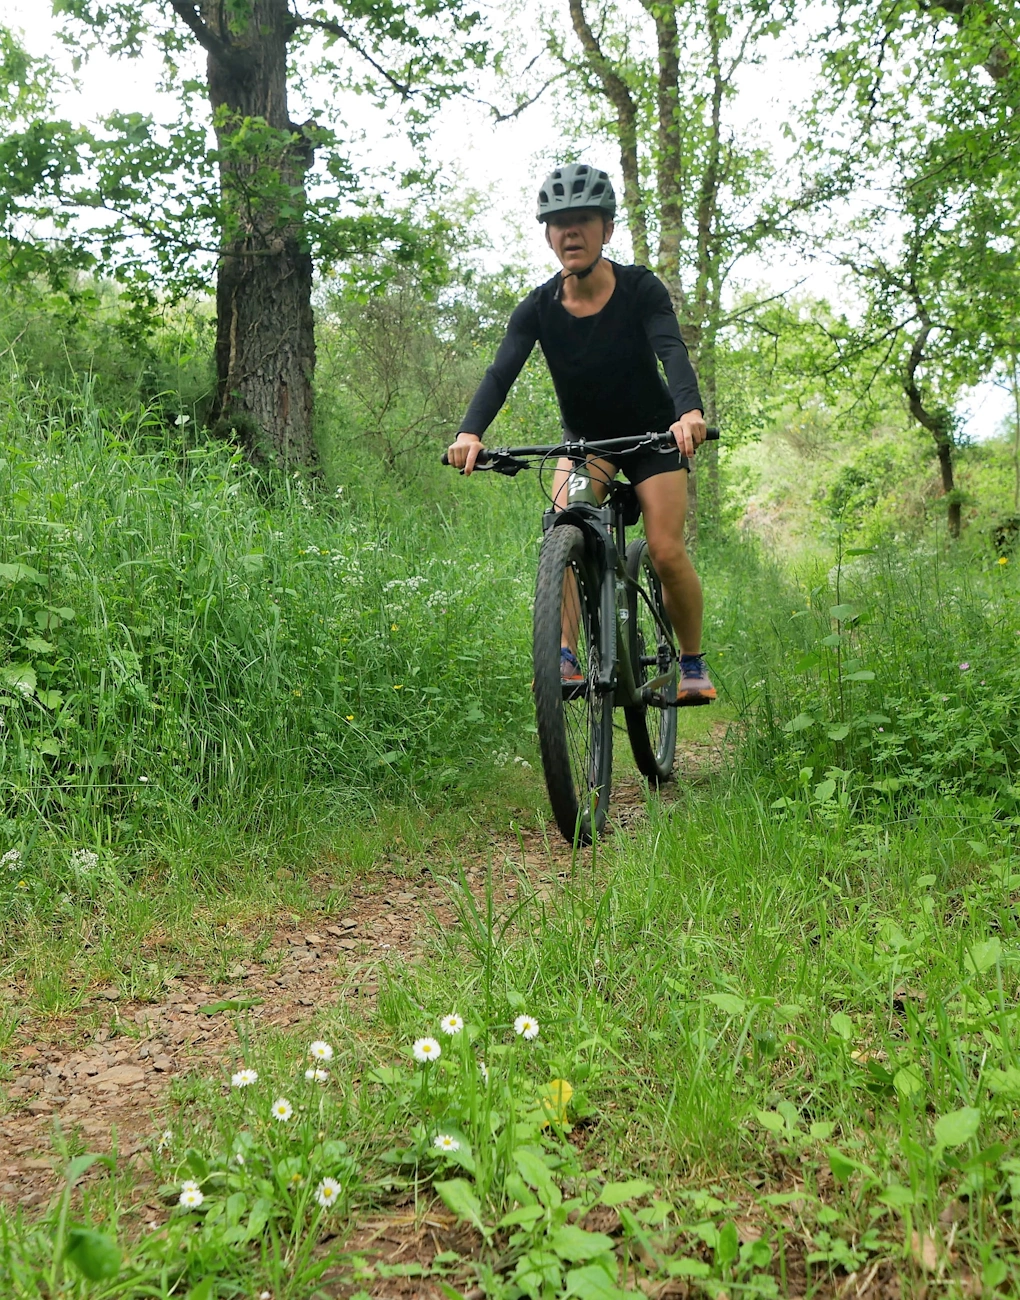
<point x="594" y="285"/>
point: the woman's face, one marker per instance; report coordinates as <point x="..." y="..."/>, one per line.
<point x="577" y="237"/>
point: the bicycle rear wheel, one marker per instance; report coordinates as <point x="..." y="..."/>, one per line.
<point x="653" y="653"/>
<point x="575" y="721"/>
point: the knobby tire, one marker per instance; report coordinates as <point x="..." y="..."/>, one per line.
<point x="652" y="731"/>
<point x="575" y="724"/>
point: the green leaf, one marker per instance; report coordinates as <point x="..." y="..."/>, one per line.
<point x="525" y="1216"/>
<point x="575" y="1245"/>
<point x="203" y="1290"/>
<point x="834" y="639"/>
<point x="729" y="1245"/>
<point x="21" y="573"/>
<point x="617" y="1193"/>
<point x="841" y="1024"/>
<point x="38" y="646"/>
<point x="806" y="662"/>
<point x="839" y="733"/>
<point x="228" y="1004"/>
<point x="908" y="1081"/>
<point x="897" y="1197"/>
<point x="822" y="1129"/>
<point x="688" y="1268"/>
<point x="843" y="613"/>
<point x="771" y="1120"/>
<point x="728" y="1002"/>
<point x="458" y="1196"/>
<point x="592" y="1283"/>
<point x="824" y="790"/>
<point x="957" y="1127"/>
<point x="800" y="723"/>
<point x="95" y="1254"/>
<point x="843" y="1166"/>
<point x="51" y="699"/>
<point x="864" y="675"/>
<point x="983" y="956"/>
<point x="861" y="550"/>
<point x="1005" y="1082"/>
<point x="21" y="677"/>
<point x="536" y="1173"/>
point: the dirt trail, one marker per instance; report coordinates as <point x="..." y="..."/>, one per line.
<point x="114" y="1087"/>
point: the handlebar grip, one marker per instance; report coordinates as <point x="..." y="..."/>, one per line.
<point x="712" y="435"/>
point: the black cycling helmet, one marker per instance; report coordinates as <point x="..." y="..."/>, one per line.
<point x="573" y="186"/>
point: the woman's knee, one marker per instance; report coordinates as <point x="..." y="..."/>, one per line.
<point x="669" y="555"/>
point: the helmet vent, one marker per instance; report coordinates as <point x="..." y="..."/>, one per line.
<point x="597" y="189"/>
<point x="582" y="171"/>
<point x="578" y="187"/>
<point x="558" y="190"/>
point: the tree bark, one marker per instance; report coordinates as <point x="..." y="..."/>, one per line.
<point x="618" y="94"/>
<point x="265" y="341"/>
<point x="938" y="423"/>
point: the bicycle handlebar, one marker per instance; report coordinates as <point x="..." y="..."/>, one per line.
<point x="582" y="448"/>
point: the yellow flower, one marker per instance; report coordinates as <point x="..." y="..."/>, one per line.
<point x="394" y="626"/>
<point x="398" y="688"/>
<point x="350" y="717"/>
<point x="1003" y="559"/>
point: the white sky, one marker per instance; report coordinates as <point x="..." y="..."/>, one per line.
<point x="505" y="160"/>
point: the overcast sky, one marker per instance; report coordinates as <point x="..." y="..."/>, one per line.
<point x="505" y="161"/>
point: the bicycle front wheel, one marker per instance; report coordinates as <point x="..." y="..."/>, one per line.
<point x="653" y="653"/>
<point x="575" y="720"/>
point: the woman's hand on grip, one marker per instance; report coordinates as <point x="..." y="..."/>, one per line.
<point x="463" y="453"/>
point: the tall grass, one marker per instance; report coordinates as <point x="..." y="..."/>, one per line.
<point x="184" y="640"/>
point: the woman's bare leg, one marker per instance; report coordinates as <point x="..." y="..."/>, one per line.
<point x="602" y="474"/>
<point x="664" y="508"/>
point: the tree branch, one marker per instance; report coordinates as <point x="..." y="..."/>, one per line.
<point x="333" y="28"/>
<point x="214" y="46"/>
<point x="499" y="116"/>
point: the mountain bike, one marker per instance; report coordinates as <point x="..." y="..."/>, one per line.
<point x="603" y="596"/>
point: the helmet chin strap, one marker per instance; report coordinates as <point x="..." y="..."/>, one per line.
<point x="580" y="275"/>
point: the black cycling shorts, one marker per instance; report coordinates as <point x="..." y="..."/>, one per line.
<point x="637" y="466"/>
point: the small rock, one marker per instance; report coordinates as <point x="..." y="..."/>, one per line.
<point x="237" y="972"/>
<point x="313" y="939"/>
<point x="406" y="898"/>
<point x="298" y="940"/>
<point x="143" y="1053"/>
<point x="112" y="994"/>
<point x="348" y="944"/>
<point x="163" y="1064"/>
<point x="120" y="1074"/>
<point x="284" y="873"/>
<point x="188" y="1006"/>
<point x="39" y="1107"/>
<point x="349" y="923"/>
<point x="334" y="930"/>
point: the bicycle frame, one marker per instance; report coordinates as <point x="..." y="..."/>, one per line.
<point x="605" y="531"/>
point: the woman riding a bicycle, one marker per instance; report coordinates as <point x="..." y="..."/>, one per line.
<point x="603" y="329"/>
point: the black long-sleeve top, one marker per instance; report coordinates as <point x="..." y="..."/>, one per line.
<point x="603" y="367"/>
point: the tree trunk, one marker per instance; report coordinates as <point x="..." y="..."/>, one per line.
<point x="265" y="342"/>
<point x="937" y="422"/>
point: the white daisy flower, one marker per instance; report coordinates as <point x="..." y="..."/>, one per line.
<point x="320" y="1051"/>
<point x="239" y="1158"/>
<point x="11" y="859"/>
<point x="443" y="1142"/>
<point x="282" y="1109"/>
<point x="527" y="1027"/>
<point x="191" y="1198"/>
<point x="327" y="1193"/>
<point x="426" y="1049"/>
<point x="483" y="1070"/>
<point x="315" y="1075"/>
<point x="451" y="1024"/>
<point x="189" y="1185"/>
<point x="243" y="1078"/>
<point x="166" y="1139"/>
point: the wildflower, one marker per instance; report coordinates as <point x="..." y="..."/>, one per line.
<point x="243" y="1078"/>
<point x="965" y="668"/>
<point x="239" y="1158"/>
<point x="426" y="1049"/>
<point x="191" y="1198"/>
<point x="451" y="1024"/>
<point x="1003" y="559"/>
<point x="165" y="1140"/>
<point x="350" y="717"/>
<point x="143" y="779"/>
<point x="327" y="1193"/>
<point x="296" y="1178"/>
<point x="443" y="1142"/>
<point x="189" y="1185"/>
<point x="483" y="1070"/>
<point x="84" y="860"/>
<point x="320" y="1051"/>
<point x="315" y="1075"/>
<point x="527" y="1027"/>
<point x="398" y="688"/>
<point x="282" y="1109"/>
<point x="11" y="859"/>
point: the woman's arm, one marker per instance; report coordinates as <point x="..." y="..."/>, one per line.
<point x="520" y="338"/>
<point x="663" y="332"/>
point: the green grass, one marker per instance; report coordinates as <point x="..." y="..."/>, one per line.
<point x="784" y="1004"/>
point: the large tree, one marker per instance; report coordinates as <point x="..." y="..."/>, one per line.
<point x="918" y="111"/>
<point x="168" y="200"/>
